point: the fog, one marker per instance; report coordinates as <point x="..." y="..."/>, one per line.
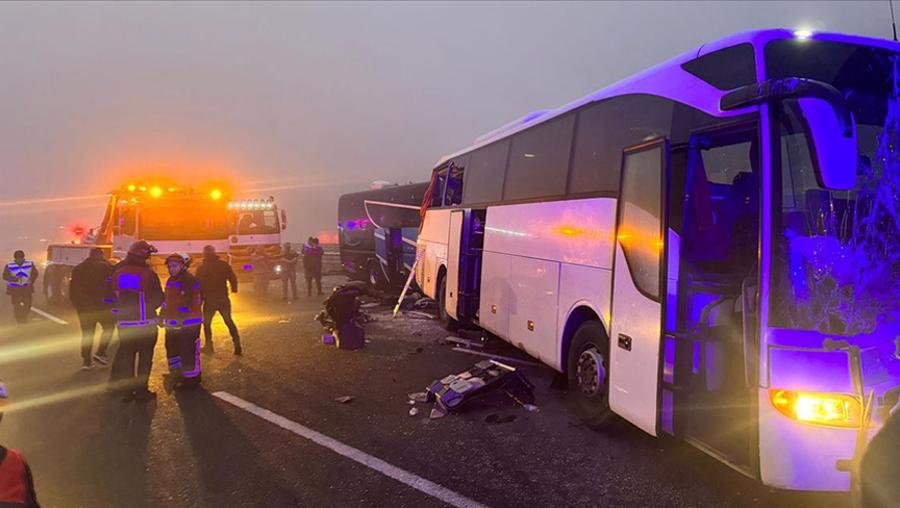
<point x="306" y="101"/>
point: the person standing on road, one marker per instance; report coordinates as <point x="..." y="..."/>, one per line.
<point x="137" y="294"/>
<point x="312" y="266"/>
<point x="261" y="272"/>
<point x="214" y="276"/>
<point x="89" y="294"/>
<point x="181" y="316"/>
<point x="289" y="258"/>
<point x="20" y="276"/>
<point x="16" y="482"/>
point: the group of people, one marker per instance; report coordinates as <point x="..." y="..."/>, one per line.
<point x="285" y="268"/>
<point x="129" y="297"/>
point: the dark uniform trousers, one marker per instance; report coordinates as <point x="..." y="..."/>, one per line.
<point x="136" y="345"/>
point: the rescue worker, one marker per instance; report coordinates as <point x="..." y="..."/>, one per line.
<point x="214" y="276"/>
<point x="181" y="316"/>
<point x="261" y="272"/>
<point x="289" y="258"/>
<point x="312" y="266"/>
<point x="89" y="293"/>
<point x="20" y="276"/>
<point x="137" y="294"/>
<point x="16" y="483"/>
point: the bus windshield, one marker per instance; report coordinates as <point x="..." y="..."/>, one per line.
<point x="183" y="221"/>
<point x="836" y="254"/>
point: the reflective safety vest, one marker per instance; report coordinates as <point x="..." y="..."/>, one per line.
<point x="22" y="273"/>
<point x="182" y="305"/>
<point x="14" y="487"/>
<point x="130" y="287"/>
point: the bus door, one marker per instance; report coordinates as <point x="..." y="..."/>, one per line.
<point x="638" y="272"/>
<point x="715" y="368"/>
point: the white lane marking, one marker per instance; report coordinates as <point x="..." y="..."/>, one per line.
<point x="49" y="316"/>
<point x="415" y="481"/>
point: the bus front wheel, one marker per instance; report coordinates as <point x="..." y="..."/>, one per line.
<point x="588" y="374"/>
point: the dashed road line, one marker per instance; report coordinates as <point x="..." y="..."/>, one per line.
<point x="410" y="479"/>
<point x="49" y="316"/>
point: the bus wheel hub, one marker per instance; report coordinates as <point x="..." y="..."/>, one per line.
<point x="591" y="372"/>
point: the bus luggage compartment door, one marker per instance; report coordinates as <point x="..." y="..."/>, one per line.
<point x="453" y="260"/>
<point x="636" y="297"/>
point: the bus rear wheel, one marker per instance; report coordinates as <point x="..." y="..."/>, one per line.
<point x="446" y="320"/>
<point x="588" y="374"/>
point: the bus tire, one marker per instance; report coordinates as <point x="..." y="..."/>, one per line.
<point x="587" y="370"/>
<point x="446" y="321"/>
<point x="375" y="274"/>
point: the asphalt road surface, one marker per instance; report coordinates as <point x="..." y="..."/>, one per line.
<point x="266" y="429"/>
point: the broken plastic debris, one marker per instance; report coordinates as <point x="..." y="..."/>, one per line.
<point x="531" y="408"/>
<point x="413" y="411"/>
<point x="344" y="399"/>
<point x="284" y="321"/>
<point x="418" y="397"/>
<point x="437" y="412"/>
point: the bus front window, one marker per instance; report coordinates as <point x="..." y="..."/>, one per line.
<point x="836" y="254"/>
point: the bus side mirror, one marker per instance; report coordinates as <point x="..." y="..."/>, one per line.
<point x="283" y="220"/>
<point x="832" y="141"/>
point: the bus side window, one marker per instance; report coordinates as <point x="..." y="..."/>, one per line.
<point x="456" y="171"/>
<point x="440" y="179"/>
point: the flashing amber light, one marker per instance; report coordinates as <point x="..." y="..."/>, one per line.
<point x="216" y="194"/>
<point x="156" y="192"/>
<point x="132" y="187"/>
<point x="829" y="409"/>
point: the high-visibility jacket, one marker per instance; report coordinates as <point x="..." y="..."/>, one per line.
<point x="182" y="306"/>
<point x="20" y="274"/>
<point x="138" y="294"/>
<point x="16" y="486"/>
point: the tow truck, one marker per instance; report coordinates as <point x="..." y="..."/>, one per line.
<point x="255" y="224"/>
<point x="171" y="217"/>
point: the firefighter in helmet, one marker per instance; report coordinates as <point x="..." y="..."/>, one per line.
<point x="137" y="293"/>
<point x="182" y="317"/>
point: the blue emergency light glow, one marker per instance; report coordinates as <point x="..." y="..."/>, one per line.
<point x="129" y="281"/>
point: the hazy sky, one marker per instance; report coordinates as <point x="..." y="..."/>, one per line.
<point x="318" y="98"/>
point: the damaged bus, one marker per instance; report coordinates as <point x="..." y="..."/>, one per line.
<point x="709" y="249"/>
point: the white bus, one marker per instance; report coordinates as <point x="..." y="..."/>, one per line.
<point x="709" y="249"/>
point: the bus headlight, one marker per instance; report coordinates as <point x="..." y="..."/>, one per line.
<point x="830" y="409"/>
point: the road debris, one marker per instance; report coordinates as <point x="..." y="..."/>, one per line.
<point x="413" y="411"/>
<point x="531" y="408"/>
<point x="344" y="399"/>
<point x="419" y="315"/>
<point x="453" y="391"/>
<point x="464" y="342"/>
<point x="419" y="397"/>
<point x="284" y="321"/>
<point x="416" y="351"/>
<point x="342" y="318"/>
<point x="437" y="412"/>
